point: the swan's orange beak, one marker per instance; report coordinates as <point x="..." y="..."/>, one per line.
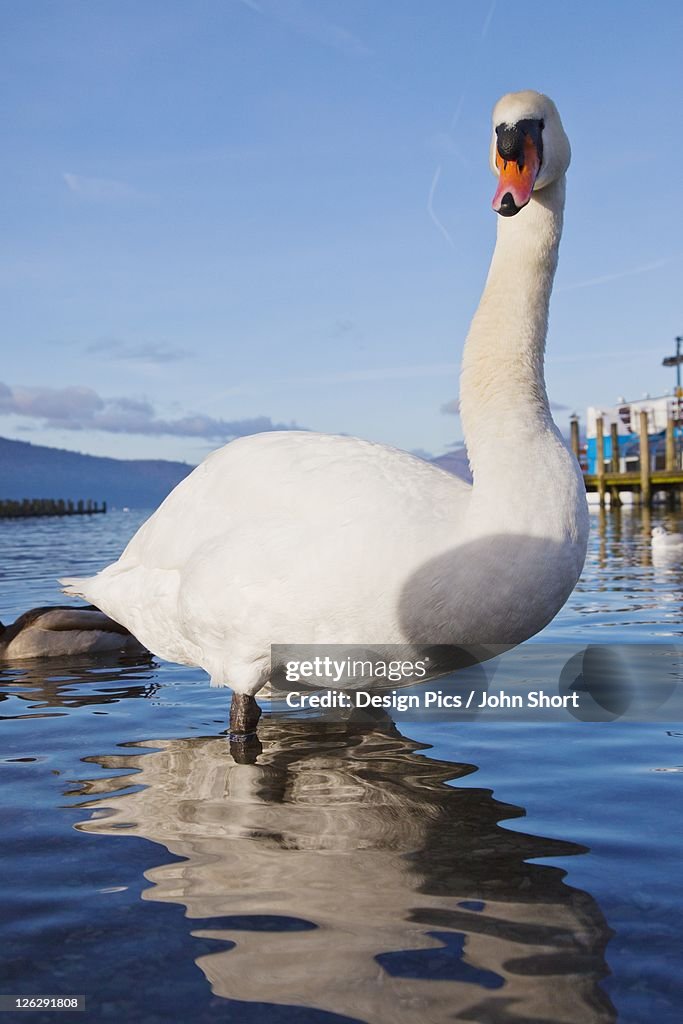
<point x="516" y="177"/>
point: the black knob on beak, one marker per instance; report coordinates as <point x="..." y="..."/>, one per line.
<point x="510" y="142"/>
<point x="508" y="207"/>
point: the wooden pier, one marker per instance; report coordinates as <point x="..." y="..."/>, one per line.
<point x="30" y="508"/>
<point x="643" y="482"/>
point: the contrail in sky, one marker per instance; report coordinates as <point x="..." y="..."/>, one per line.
<point x="488" y="19"/>
<point x="617" y="275"/>
<point x="430" y="207"/>
<point x="451" y="128"/>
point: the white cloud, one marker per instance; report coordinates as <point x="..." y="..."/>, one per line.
<point x="378" y="373"/>
<point x="99" y="190"/>
<point x="150" y="352"/>
<point x="81" y="408"/>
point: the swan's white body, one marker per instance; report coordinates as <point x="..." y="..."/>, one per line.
<point x="666" y="546"/>
<point x="308" y="538"/>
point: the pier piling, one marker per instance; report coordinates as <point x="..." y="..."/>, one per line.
<point x="645" y="489"/>
<point x="651" y="477"/>
<point x="600" y="458"/>
<point x="614" y="497"/>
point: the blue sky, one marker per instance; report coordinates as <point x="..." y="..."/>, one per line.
<point x="230" y="213"/>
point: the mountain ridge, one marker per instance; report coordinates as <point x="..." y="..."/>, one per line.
<point x="38" y="471"/>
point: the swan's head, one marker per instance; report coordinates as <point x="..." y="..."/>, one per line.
<point x="529" y="148"/>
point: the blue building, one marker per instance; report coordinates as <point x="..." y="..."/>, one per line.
<point x="626" y="416"/>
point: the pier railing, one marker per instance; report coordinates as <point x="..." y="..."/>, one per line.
<point x="645" y="480"/>
<point x="31" y="507"/>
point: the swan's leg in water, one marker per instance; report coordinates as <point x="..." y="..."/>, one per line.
<point x="244" y="713"/>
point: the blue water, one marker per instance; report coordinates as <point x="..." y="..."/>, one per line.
<point x="353" y="871"/>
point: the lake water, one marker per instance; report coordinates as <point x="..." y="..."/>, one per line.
<point x="356" y="871"/>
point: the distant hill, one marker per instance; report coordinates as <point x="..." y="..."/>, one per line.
<point x="455" y="462"/>
<point x="33" y="471"/>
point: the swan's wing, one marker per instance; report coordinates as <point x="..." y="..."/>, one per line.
<point x="322" y="481"/>
<point x="276" y="533"/>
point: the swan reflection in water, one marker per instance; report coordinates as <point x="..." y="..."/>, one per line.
<point x="341" y="871"/>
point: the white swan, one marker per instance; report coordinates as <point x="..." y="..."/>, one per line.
<point x="667" y="548"/>
<point x="309" y="538"/>
<point x="61" y="631"/>
<point x="664" y="540"/>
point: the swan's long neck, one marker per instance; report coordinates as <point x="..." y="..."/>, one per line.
<point x="503" y="401"/>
